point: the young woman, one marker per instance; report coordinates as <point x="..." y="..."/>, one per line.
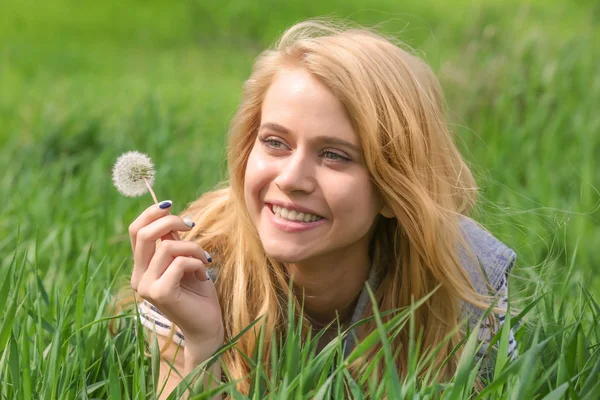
<point x="342" y="171"/>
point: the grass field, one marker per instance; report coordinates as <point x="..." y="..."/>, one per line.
<point x="83" y="82"/>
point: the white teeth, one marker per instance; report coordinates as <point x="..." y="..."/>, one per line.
<point x="294" y="215"/>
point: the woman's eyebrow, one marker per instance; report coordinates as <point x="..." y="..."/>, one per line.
<point x="325" y="139"/>
<point x="274" y="127"/>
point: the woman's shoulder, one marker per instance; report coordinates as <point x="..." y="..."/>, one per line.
<point x="492" y="259"/>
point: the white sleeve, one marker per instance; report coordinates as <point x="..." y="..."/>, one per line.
<point x="152" y="319"/>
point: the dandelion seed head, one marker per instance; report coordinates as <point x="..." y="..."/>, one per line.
<point x="129" y="172"/>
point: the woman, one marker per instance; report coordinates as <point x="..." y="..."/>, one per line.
<point x="342" y="171"/>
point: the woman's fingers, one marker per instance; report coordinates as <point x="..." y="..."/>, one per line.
<point x="171" y="236"/>
<point x="149" y="234"/>
<point x="173" y="275"/>
<point x="167" y="252"/>
<point x="161" y="291"/>
<point x="148" y="216"/>
<point x="146" y="237"/>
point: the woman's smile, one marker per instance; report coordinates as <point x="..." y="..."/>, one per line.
<point x="292" y="221"/>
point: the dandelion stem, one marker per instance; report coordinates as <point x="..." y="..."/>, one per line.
<point x="151" y="191"/>
<point x="173" y="235"/>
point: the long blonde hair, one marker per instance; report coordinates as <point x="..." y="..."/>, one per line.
<point x="397" y="108"/>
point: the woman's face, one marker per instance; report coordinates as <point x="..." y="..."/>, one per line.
<point x="306" y="165"/>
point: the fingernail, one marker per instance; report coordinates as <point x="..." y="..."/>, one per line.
<point x="208" y="257"/>
<point x="189" y="222"/>
<point x="207" y="276"/>
<point x="165" y="204"/>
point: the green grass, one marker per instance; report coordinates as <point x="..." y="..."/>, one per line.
<point x="82" y="83"/>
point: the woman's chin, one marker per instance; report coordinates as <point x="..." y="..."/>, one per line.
<point x="288" y="257"/>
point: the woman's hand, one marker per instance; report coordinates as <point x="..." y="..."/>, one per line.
<point x="172" y="276"/>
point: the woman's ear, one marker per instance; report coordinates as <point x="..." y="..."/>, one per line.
<point x="386" y="212"/>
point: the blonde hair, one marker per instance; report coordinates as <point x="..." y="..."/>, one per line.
<point x="396" y="106"/>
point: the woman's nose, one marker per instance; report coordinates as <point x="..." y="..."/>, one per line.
<point x="296" y="173"/>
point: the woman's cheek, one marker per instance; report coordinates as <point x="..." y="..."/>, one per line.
<point x="262" y="165"/>
<point x="260" y="171"/>
<point x="258" y="175"/>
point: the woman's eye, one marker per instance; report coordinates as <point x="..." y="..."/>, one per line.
<point x="330" y="155"/>
<point x="272" y="143"/>
<point x="275" y="144"/>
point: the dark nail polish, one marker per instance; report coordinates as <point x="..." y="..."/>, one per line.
<point x="208" y="257"/>
<point x="165" y="204"/>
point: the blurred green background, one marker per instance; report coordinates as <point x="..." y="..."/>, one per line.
<point x="82" y="82"/>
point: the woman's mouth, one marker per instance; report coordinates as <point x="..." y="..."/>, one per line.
<point x="292" y="220"/>
<point x="293" y="215"/>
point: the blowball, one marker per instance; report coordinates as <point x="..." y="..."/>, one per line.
<point x="129" y="172"/>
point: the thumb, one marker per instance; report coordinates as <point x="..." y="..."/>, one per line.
<point x="170" y="236"/>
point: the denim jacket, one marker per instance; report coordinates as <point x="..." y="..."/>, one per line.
<point x="495" y="260"/>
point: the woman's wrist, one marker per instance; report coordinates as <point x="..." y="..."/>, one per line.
<point x="212" y="375"/>
<point x="194" y="358"/>
<point x="197" y="353"/>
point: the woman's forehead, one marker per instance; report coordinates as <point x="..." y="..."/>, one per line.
<point x="302" y="104"/>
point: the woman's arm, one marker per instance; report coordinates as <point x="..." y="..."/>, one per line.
<point x="169" y="379"/>
<point x="175" y="352"/>
<point x="174" y="355"/>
